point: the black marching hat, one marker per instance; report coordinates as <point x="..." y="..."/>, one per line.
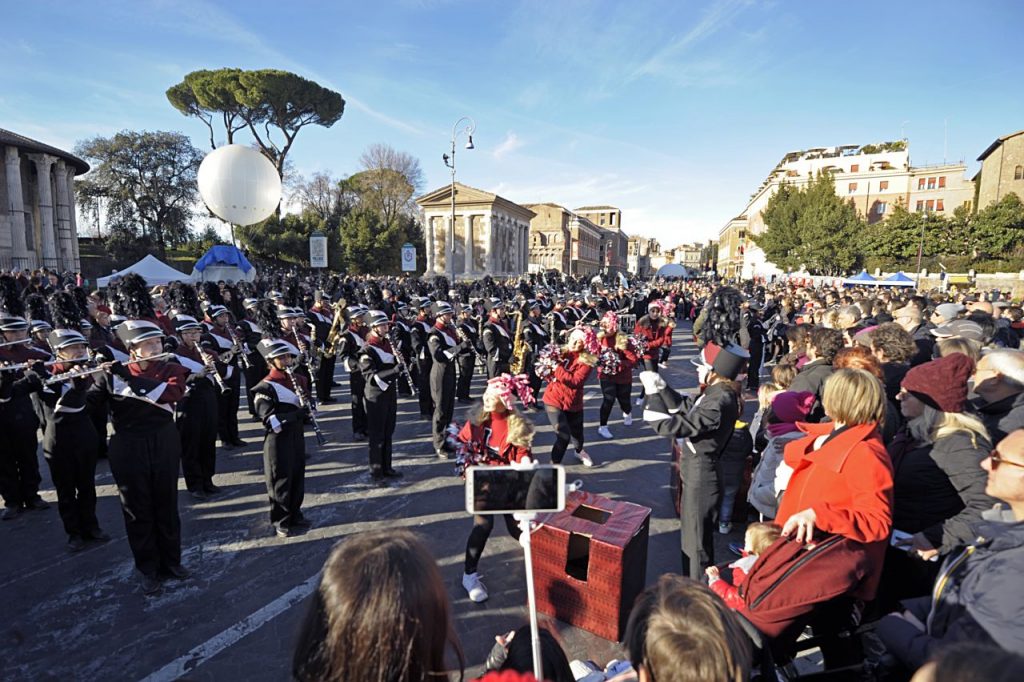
<point x="275" y="348"/>
<point x="62" y="338"/>
<point x="132" y="332"/>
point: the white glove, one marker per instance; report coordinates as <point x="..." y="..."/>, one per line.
<point x="652" y="382"/>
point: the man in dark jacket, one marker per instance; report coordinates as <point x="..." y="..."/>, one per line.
<point x="999" y="383"/>
<point x="977" y="595"/>
<point x="909" y="317"/>
<point x="821" y="351"/>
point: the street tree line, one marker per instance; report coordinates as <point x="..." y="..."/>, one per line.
<point x="812" y="228"/>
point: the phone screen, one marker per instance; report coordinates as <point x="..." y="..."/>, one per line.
<point x="497" y="490"/>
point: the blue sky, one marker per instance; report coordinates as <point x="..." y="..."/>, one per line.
<point x="673" y="111"/>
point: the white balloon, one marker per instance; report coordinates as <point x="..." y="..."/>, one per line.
<point x="239" y="184"/>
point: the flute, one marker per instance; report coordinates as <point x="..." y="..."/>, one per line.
<point x="26" y="365"/>
<point x="60" y="378"/>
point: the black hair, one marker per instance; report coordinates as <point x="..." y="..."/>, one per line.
<point x="265" y="317"/>
<point x="519" y="656"/>
<point x="723" y="323"/>
<point x="211" y="293"/>
<point x="183" y="299"/>
<point x="131" y="298"/>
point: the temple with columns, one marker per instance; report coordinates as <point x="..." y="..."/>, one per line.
<point x="492" y="234"/>
<point x="37" y="205"/>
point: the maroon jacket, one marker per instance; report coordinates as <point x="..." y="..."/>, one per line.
<point x="627" y="357"/>
<point x="654" y="334"/>
<point x="565" y="390"/>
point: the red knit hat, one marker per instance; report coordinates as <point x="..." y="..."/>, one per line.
<point x="941" y="383"/>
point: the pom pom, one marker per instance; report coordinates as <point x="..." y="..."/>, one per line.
<point x="548" y="358"/>
<point x="637" y="344"/>
<point x="608" y="362"/>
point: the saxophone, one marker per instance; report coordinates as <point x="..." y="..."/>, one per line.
<point x="519" y="348"/>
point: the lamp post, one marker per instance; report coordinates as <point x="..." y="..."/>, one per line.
<point x="469" y="128"/>
<point x="920" y="251"/>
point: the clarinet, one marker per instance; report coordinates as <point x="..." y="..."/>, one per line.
<point x="241" y="345"/>
<point x="403" y="366"/>
<point x="304" y="402"/>
<point x="304" y="351"/>
<point x="209" y="363"/>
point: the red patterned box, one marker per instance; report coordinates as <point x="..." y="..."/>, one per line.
<point x="590" y="562"/>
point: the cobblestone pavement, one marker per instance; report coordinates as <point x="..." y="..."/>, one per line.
<point x="78" y="617"/>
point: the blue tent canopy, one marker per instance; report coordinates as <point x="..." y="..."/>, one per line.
<point x="862" y="278"/>
<point x="224" y="254"/>
<point x="897" y="280"/>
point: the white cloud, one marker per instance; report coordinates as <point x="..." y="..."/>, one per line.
<point x="508" y="145"/>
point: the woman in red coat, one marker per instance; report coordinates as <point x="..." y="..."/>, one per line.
<point x="842" y="475"/>
<point x="615" y="364"/>
<point x="563" y="398"/>
<point x="496" y="434"/>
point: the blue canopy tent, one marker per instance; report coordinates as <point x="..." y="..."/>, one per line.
<point x="860" y="280"/>
<point x="223" y="263"/>
<point x="897" y="280"/>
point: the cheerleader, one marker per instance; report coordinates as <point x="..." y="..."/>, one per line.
<point x="282" y="405"/>
<point x="495" y="434"/>
<point x="615" y="365"/>
<point x="563" y="398"/>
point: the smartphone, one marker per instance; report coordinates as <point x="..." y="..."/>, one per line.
<point x="515" y="489"/>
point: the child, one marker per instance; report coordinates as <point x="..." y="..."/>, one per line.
<point x="758" y="538"/>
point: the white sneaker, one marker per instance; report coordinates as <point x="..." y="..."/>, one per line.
<point x="639" y="401"/>
<point x="627" y="420"/>
<point x="584" y="458"/>
<point x="605" y="433"/>
<point x="663" y="365"/>
<point x="475" y="588"/>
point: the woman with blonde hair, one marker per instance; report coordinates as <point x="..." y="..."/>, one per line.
<point x="380" y="613"/>
<point x="496" y="433"/>
<point x="939" y="485"/>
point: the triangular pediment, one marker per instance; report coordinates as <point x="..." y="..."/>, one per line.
<point x="463" y="195"/>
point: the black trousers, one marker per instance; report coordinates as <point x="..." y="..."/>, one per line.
<point x="227" y="408"/>
<point x="568" y="426"/>
<point x="145" y="468"/>
<point x="70" y="448"/>
<point x="284" y="467"/>
<point x="496" y="368"/>
<point x="325" y="377"/>
<point x="253" y="376"/>
<point x="357" y="386"/>
<point x="423" y="388"/>
<point x="754" y="366"/>
<point x="610" y="393"/>
<point x="197" y="428"/>
<point x="467" y="364"/>
<point x="19" y="466"/>
<point x="381" y="415"/>
<point x="442" y="390"/>
<point x="98" y="415"/>
<point x="482" y="527"/>
<point x="699" y="513"/>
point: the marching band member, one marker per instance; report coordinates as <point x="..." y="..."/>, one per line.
<point x="145" y="451"/>
<point x="198" y="409"/>
<point x="497" y="339"/>
<point x="536" y="337"/>
<point x="466" y="357"/>
<point x="282" y="404"/>
<point x="496" y="433"/>
<point x="443" y="346"/>
<point x="403" y="333"/>
<point x="563" y="398"/>
<point x="380" y="370"/>
<point x="321" y="316"/>
<point x="420" y="330"/>
<point x="251" y="334"/>
<point x="218" y="317"/>
<point x="614" y="371"/>
<point x="352" y="341"/>
<point x="70" y="441"/>
<point x="19" y="466"/>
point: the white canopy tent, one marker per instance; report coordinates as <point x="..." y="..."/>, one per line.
<point x="152" y="269"/>
<point x="672" y="270"/>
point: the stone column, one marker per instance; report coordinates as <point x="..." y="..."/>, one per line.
<point x="524" y="247"/>
<point x="73" y="208"/>
<point x="428" y="238"/>
<point x="493" y="227"/>
<point x="467" y="238"/>
<point x="43" y="164"/>
<point x="513" y="250"/>
<point x="65" y="249"/>
<point x="16" y="210"/>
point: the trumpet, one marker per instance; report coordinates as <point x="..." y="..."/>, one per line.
<point x="209" y="362"/>
<point x="304" y="402"/>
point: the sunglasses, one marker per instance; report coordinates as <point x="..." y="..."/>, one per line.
<point x="997" y="459"/>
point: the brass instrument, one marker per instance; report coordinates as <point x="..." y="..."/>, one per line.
<point x="334" y="335"/>
<point x="403" y="366"/>
<point x="305" y="403"/>
<point x="519" y="349"/>
<point x="304" y="353"/>
<point x="208" y="362"/>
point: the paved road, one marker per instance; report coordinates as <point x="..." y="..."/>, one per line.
<point x="82" y="616"/>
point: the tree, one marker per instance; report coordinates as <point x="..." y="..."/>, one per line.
<point x="781" y="240"/>
<point x="1000" y="227"/>
<point x="262" y="101"/>
<point x="829" y="228"/>
<point x="327" y="198"/>
<point x="147" y="181"/>
<point x="389" y="181"/>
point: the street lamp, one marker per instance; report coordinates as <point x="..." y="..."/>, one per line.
<point x="920" y="251"/>
<point x="469" y="128"/>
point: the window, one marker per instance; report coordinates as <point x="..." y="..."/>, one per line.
<point x="931" y="183"/>
<point x="602" y="219"/>
<point x="854" y="168"/>
<point x="920" y="206"/>
<point x="880" y="207"/>
<point x="883" y="185"/>
<point x="1018" y="173"/>
<point x="938" y="205"/>
<point x="942" y="182"/>
<point x="920" y="183"/>
<point x="929" y="205"/>
<point x="852" y="188"/>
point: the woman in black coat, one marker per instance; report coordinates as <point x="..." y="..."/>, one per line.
<point x="705" y="424"/>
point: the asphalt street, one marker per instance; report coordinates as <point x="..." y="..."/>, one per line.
<point x="82" y="616"/>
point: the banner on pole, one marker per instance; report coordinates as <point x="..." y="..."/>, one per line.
<point x="318" y="250"/>
<point x="408" y="257"/>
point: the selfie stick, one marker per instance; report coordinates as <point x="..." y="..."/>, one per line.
<point x="525" y="519"/>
